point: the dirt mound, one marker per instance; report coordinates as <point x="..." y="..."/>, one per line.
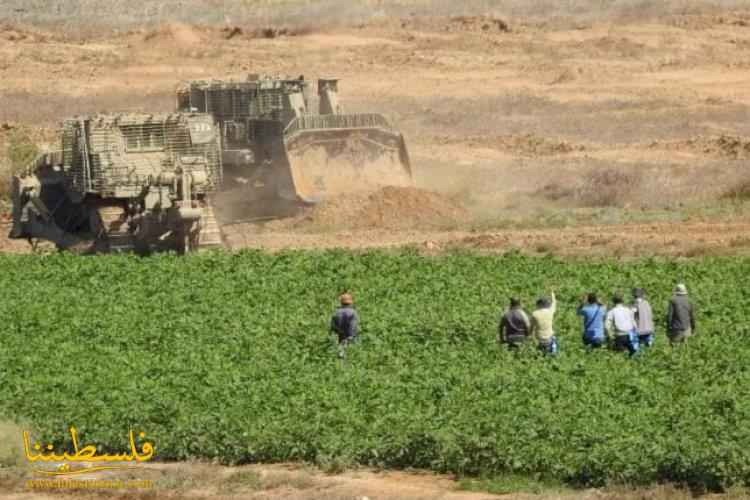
<point x="281" y="31"/>
<point x="476" y="23"/>
<point x="726" y="146"/>
<point x="705" y="22"/>
<point x="14" y="36"/>
<point x="265" y="31"/>
<point x="456" y="24"/>
<point x="15" y="33"/>
<point x="395" y="206"/>
<point x="180" y="34"/>
<point x="389" y="207"/>
<point x="523" y="144"/>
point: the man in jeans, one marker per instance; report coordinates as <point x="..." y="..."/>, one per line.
<point x="621" y="327"/>
<point x="514" y="326"/>
<point x="644" y="318"/>
<point x="541" y="325"/>
<point x="345" y="322"/>
<point x="593" y="313"/>
<point x="680" y="316"/>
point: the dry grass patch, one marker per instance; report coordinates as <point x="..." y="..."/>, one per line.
<point x="249" y="479"/>
<point x="741" y="242"/>
<point x="11" y="445"/>
<point x="738" y="192"/>
<point x="17" y="149"/>
<point x="609" y="187"/>
<point x="12" y="473"/>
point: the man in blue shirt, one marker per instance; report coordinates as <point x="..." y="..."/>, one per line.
<point x="345" y="323"/>
<point x="593" y="314"/>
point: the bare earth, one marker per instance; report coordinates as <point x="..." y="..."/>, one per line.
<point x="602" y="135"/>
<point x="631" y="240"/>
<point x="625" y="137"/>
<point x="292" y="482"/>
<point x="197" y="481"/>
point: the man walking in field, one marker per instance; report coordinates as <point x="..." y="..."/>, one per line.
<point x="621" y="327"/>
<point x="542" y="325"/>
<point x="593" y="314"/>
<point x="680" y="316"/>
<point x="644" y="318"/>
<point x="345" y="322"/>
<point x="514" y="326"/>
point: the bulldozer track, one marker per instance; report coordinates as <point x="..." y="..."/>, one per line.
<point x="210" y="235"/>
<point x="115" y="230"/>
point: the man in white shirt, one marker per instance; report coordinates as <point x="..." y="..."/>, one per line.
<point x="621" y="327"/>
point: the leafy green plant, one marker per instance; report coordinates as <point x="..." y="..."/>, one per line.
<point x="510" y="484"/>
<point x="228" y="357"/>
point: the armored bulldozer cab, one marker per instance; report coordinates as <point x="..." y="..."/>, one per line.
<point x="277" y="142"/>
<point x="123" y="182"/>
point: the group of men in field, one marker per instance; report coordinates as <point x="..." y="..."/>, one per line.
<point x="624" y="327"/>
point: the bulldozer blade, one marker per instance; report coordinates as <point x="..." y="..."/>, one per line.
<point x="327" y="162"/>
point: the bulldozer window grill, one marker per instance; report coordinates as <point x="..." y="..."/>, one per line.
<point x="146" y="137"/>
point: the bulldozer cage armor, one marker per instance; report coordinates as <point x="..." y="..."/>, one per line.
<point x="233" y="101"/>
<point x="119" y="155"/>
<point x="286" y="144"/>
<point x="124" y="182"/>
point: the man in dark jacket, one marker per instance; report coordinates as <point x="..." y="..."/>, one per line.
<point x="514" y="326"/>
<point x="680" y="316"/>
<point x="345" y="322"/>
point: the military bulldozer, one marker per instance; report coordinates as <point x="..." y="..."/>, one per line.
<point x="124" y="182"/>
<point x="276" y="143"/>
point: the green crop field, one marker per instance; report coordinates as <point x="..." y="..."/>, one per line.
<point x="227" y="356"/>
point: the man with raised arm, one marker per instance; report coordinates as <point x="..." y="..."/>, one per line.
<point x="542" y="324"/>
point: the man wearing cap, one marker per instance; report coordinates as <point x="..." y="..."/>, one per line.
<point x="593" y="314"/>
<point x="644" y="318"/>
<point x="514" y="326"/>
<point x="541" y="325"/>
<point x="621" y="327"/>
<point x="345" y="322"/>
<point x="680" y="316"/>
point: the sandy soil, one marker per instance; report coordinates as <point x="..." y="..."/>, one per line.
<point x="510" y="120"/>
<point x="683" y="239"/>
<point x="521" y="120"/>
<point x="691" y="239"/>
<point x="289" y="482"/>
<point x="199" y="481"/>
